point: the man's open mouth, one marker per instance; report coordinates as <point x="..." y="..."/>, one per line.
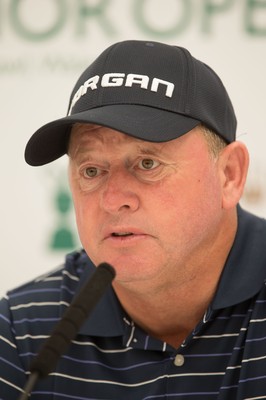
<point x="121" y="234"/>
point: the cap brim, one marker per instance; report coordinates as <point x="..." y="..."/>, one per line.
<point x="150" y="124"/>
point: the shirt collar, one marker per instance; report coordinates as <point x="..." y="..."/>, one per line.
<point x="245" y="269"/>
<point x="108" y="319"/>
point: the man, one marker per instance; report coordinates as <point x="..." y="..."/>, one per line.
<point x="156" y="177"/>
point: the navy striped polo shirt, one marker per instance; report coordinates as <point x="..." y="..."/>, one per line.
<point x="112" y="358"/>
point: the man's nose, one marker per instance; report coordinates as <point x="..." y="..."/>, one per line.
<point x="120" y="192"/>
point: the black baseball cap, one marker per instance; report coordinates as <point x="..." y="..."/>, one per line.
<point x="149" y="90"/>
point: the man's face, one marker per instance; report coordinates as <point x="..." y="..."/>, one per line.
<point x="149" y="209"/>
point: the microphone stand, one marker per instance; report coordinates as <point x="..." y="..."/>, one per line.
<point x="30" y="384"/>
<point x="67" y="328"/>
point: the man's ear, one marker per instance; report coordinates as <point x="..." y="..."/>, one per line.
<point x="233" y="165"/>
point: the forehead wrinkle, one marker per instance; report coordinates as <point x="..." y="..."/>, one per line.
<point x="150" y="148"/>
<point x="86" y="138"/>
<point x="74" y="138"/>
<point x="82" y="136"/>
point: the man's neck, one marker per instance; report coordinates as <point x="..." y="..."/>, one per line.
<point x="171" y="311"/>
<point x="169" y="316"/>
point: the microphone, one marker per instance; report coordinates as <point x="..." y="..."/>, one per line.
<point x="67" y="328"/>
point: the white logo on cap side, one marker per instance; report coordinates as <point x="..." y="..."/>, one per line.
<point x="120" y="79"/>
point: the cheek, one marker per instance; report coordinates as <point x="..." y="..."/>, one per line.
<point x="85" y="214"/>
<point x="205" y="204"/>
<point x="195" y="197"/>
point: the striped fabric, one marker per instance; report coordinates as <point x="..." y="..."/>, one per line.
<point x="112" y="358"/>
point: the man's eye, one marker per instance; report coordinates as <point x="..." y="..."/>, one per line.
<point x="148" y="163"/>
<point x="91" y="172"/>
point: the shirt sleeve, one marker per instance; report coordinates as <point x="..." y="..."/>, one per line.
<point x="12" y="373"/>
